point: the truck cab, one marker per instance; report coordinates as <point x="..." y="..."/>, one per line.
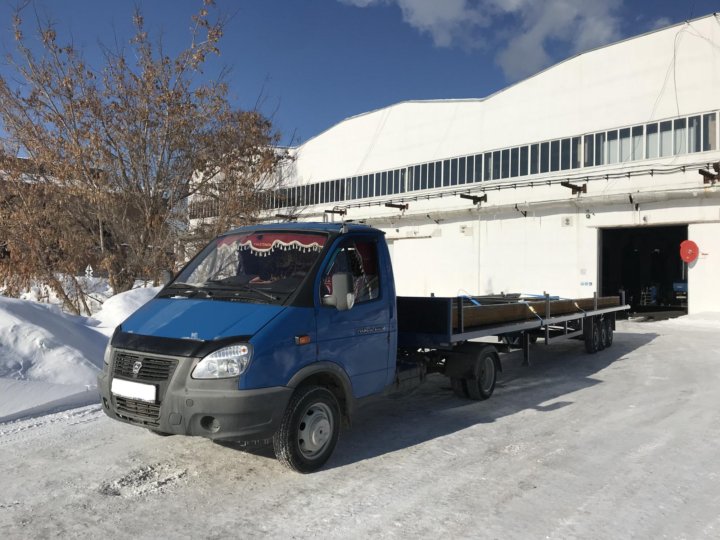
<point x="270" y="332"/>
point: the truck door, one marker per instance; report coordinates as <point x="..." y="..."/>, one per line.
<point x="359" y="338"/>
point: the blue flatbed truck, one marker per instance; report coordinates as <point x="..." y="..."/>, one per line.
<point x="277" y="332"/>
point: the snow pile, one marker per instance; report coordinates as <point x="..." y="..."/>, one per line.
<point x="117" y="308"/>
<point x="49" y="360"/>
<point x="39" y="342"/>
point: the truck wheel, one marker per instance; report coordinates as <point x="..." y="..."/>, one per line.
<point x="482" y="385"/>
<point x="608" y="332"/>
<point x="592" y="337"/>
<point x="308" y="430"/>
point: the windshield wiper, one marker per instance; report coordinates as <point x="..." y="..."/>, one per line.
<point x="242" y="286"/>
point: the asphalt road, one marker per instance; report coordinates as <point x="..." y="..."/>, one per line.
<point x="620" y="444"/>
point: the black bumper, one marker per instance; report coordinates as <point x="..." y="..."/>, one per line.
<point x="215" y="409"/>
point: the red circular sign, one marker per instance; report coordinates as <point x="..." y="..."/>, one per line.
<point x="689" y="251"/>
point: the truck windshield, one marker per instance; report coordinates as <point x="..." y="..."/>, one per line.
<point x="263" y="266"/>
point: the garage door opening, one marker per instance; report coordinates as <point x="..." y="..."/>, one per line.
<point x="645" y="262"/>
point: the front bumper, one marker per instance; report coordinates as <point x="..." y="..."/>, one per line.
<point x="215" y="409"/>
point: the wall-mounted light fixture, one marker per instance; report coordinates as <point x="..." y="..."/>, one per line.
<point x="708" y="177"/>
<point x="574" y="187"/>
<point x="474" y="198"/>
<point x="397" y="205"/>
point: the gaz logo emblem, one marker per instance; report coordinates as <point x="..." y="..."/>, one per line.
<point x="137" y="366"/>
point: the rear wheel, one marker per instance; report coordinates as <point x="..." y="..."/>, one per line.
<point x="482" y="385"/>
<point x="602" y="329"/>
<point x="592" y="336"/>
<point x="309" y="429"/>
<point x="608" y="332"/>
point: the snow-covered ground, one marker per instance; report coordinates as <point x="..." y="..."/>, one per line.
<point x="619" y="444"/>
<point x="49" y="359"/>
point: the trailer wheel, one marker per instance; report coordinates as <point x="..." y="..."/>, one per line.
<point x="608" y="332"/>
<point x="308" y="430"/>
<point x="602" y="330"/>
<point x="459" y="387"/>
<point x="482" y="385"/>
<point x="592" y="337"/>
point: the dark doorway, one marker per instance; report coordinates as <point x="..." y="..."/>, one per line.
<point x="645" y="262"/>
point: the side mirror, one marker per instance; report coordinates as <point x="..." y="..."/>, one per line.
<point x="166" y="276"/>
<point x="341" y="296"/>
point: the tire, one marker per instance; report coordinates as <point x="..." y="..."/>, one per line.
<point x="309" y="429"/>
<point x="459" y="387"/>
<point x="592" y="337"/>
<point x="608" y="332"/>
<point x="482" y="385"/>
<point x="602" y="329"/>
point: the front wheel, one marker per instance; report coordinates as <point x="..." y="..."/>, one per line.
<point x="309" y="429"/>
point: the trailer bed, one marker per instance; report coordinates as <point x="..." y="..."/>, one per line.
<point x="444" y="321"/>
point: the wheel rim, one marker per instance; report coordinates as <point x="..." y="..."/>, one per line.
<point x="315" y="430"/>
<point x="487" y="375"/>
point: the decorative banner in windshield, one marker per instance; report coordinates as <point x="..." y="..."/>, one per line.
<point x="262" y="244"/>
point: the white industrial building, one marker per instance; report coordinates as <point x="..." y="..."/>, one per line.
<point x="590" y="171"/>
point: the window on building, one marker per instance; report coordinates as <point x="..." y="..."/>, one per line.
<point x="461" y="170"/>
<point x="514" y="162"/>
<point x="431" y="175"/>
<point x="524" y="162"/>
<point x="417" y="177"/>
<point x="694" y="134"/>
<point x="446" y="172"/>
<point x="666" y="140"/>
<point x="496" y="165"/>
<point x="534" y="158"/>
<point x="555" y="156"/>
<point x="396" y="181"/>
<point x="469" y="169"/>
<point x="544" y="157"/>
<point x="710" y="132"/>
<point x="565" y="154"/>
<point x="424" y="176"/>
<point x="612" y="146"/>
<point x="575" y="152"/>
<point x="505" y="168"/>
<point x="600" y="149"/>
<point x="487" y="167"/>
<point x="652" y="141"/>
<point x="453" y="172"/>
<point x="681" y="136"/>
<point x="403" y="185"/>
<point x="477" y="177"/>
<point x="588" y="152"/>
<point x="625" y="145"/>
<point x="636" y="151"/>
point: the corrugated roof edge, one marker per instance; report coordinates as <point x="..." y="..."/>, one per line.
<point x="480" y="100"/>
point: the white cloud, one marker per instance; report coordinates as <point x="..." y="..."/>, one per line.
<point x="520" y="30"/>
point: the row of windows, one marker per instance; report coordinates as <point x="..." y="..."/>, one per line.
<point x="697" y="133"/>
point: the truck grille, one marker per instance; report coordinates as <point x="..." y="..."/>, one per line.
<point x="153" y="369"/>
<point x="139" y="412"/>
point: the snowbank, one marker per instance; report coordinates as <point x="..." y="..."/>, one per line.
<point x="49" y="360"/>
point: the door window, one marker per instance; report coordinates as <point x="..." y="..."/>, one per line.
<point x="359" y="259"/>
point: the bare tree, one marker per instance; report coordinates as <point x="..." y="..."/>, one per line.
<point x="115" y="152"/>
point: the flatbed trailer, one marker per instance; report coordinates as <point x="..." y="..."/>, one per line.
<point x="442" y="322"/>
<point x="447" y="330"/>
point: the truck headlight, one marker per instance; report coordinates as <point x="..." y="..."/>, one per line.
<point x="108" y="354"/>
<point x="224" y="363"/>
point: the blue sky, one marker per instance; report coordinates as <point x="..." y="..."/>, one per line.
<point x="316" y="62"/>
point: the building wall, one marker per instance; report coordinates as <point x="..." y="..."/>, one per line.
<point x="533" y="235"/>
<point x="704" y="273"/>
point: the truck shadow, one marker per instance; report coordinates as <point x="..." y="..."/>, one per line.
<point x="432" y="411"/>
<point x="386" y="425"/>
